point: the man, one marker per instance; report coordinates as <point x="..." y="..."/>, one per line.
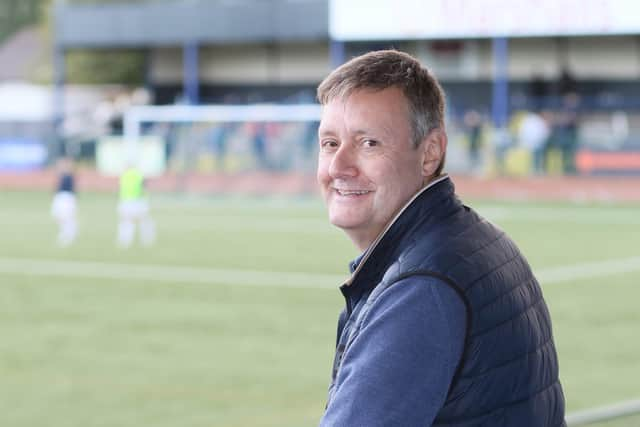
<point x="133" y="209"/>
<point x="444" y="323"/>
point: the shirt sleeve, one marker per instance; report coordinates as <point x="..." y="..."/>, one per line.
<point x="398" y="370"/>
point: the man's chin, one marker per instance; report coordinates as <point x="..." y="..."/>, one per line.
<point x="348" y="219"/>
<point x="343" y="223"/>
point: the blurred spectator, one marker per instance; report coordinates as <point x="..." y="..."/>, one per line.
<point x="538" y="91"/>
<point x="566" y="131"/>
<point x="533" y="134"/>
<point x="502" y="142"/>
<point x="473" y="127"/>
<point x="567" y="83"/>
<point x="133" y="210"/>
<point x="310" y="142"/>
<point x="257" y="131"/>
<point x="219" y="137"/>
<point x="63" y="207"/>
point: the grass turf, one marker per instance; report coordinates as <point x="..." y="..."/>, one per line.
<point x="87" y="351"/>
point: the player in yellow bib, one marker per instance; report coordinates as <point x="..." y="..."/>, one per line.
<point x="133" y="210"/>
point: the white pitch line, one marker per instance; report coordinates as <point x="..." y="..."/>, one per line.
<point x="266" y="225"/>
<point x="163" y="273"/>
<point x="211" y="223"/>
<point x="588" y="270"/>
<point x="590" y="416"/>
<point x="620" y="216"/>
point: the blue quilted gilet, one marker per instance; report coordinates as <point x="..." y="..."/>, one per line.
<point x="508" y="374"/>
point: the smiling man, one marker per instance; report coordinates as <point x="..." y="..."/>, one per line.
<point x="444" y="323"/>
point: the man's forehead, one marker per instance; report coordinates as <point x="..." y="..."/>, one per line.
<point x="377" y="108"/>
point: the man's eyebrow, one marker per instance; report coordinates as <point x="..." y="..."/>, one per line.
<point x="325" y="131"/>
<point x="386" y="130"/>
<point x="382" y="131"/>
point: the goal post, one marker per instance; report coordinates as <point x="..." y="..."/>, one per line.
<point x="304" y="116"/>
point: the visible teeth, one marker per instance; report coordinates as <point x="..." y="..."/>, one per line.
<point x="351" y="193"/>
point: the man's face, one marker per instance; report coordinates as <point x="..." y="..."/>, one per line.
<point x="368" y="167"/>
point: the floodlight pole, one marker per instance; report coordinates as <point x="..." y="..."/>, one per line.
<point x="336" y="53"/>
<point x="58" y="96"/>
<point x="191" y="77"/>
<point x="59" y="78"/>
<point x="500" y="93"/>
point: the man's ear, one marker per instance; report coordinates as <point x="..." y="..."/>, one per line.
<point x="434" y="148"/>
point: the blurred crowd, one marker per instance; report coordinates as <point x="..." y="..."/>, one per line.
<point x="536" y="141"/>
<point x="545" y="132"/>
<point x="547" y="127"/>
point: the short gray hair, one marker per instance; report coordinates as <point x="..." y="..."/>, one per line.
<point x="390" y="68"/>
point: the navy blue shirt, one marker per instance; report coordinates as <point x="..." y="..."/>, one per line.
<point x="398" y="370"/>
<point x="65" y="183"/>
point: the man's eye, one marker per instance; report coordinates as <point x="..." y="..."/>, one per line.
<point x="370" y="143"/>
<point x="328" y="144"/>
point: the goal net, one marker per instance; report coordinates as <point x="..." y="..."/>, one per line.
<point x="227" y="139"/>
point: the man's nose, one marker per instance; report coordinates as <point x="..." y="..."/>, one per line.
<point x="344" y="162"/>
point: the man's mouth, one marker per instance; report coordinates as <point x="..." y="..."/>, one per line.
<point x="352" y="192"/>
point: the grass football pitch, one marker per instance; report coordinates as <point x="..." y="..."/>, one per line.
<point x="229" y="320"/>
